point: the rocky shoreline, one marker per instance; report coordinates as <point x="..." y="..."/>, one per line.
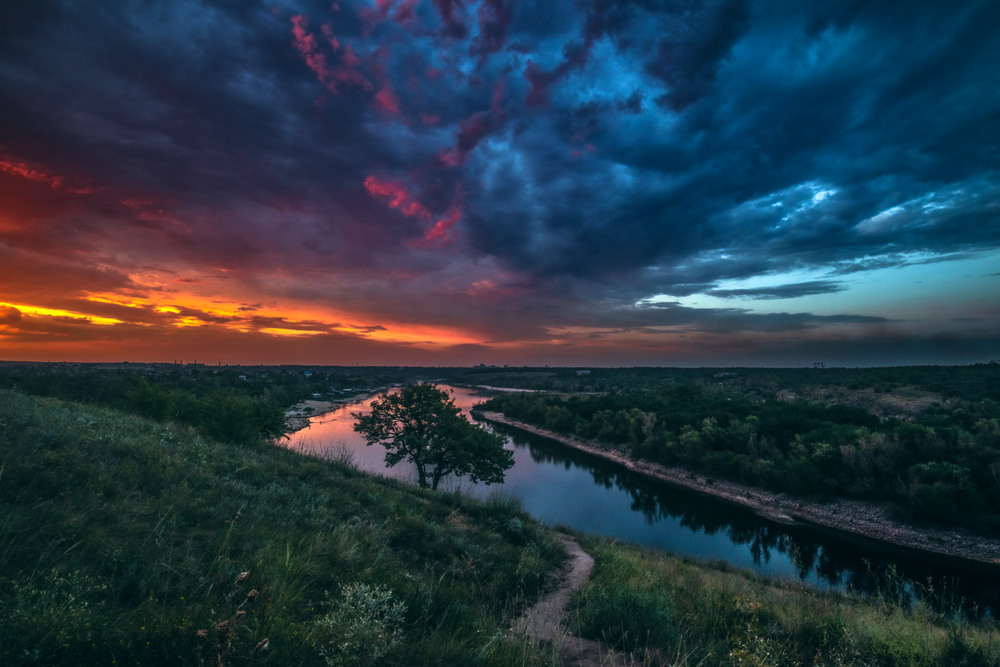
<point x="849" y="519"/>
<point x="297" y="417"/>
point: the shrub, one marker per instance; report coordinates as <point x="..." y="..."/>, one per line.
<point x="363" y="625"/>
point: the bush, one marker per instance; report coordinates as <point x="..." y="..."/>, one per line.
<point x="364" y="624"/>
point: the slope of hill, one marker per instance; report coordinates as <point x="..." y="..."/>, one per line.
<point x="125" y="541"/>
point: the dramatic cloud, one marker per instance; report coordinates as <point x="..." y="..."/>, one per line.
<point x="780" y="291"/>
<point x="542" y="181"/>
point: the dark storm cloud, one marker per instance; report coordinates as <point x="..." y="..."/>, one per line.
<point x="781" y="291"/>
<point x="701" y="37"/>
<point x="780" y="126"/>
<point x="709" y="320"/>
<point x="496" y="165"/>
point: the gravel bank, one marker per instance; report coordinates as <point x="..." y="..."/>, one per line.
<point x="850" y="519"/>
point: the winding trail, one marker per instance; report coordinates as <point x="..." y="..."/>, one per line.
<point x="543" y="622"/>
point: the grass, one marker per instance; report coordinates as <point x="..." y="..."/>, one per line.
<point x="129" y="542"/>
<point x="673" y="611"/>
<point x="124" y="541"/>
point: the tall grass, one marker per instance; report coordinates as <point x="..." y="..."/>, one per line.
<point x="672" y="611"/>
<point x="124" y="541"/>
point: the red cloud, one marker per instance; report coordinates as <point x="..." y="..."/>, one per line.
<point x="308" y="47"/>
<point x="330" y="37"/>
<point x="32" y="203"/>
<point x="439" y="233"/>
<point x="350" y="59"/>
<point x="451" y="157"/>
<point x="40" y="175"/>
<point x="476" y="127"/>
<point x="29" y="172"/>
<point x="404" y="13"/>
<point x="397" y="196"/>
<point x="386" y="100"/>
<point x="472" y="130"/>
<point x="379" y="13"/>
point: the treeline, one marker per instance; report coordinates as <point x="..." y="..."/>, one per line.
<point x="229" y="405"/>
<point x="971" y="383"/>
<point x="943" y="466"/>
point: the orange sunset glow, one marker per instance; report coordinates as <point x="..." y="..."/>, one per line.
<point x="438" y="183"/>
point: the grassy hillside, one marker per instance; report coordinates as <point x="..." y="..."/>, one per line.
<point x="124" y="541"/>
<point x="673" y="611"/>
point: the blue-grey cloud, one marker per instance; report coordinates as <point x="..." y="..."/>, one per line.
<point x="536" y="164"/>
<point x="791" y="291"/>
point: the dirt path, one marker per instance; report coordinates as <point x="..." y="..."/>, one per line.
<point x="543" y="622"/>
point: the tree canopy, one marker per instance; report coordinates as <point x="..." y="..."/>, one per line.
<point x="422" y="424"/>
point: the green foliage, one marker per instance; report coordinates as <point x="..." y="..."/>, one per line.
<point x="421" y="424"/>
<point x="363" y="625"/>
<point x="794" y="431"/>
<point x="49" y="611"/>
<point x="224" y="407"/>
<point x="665" y="610"/>
<point x="130" y="542"/>
<point x="942" y="490"/>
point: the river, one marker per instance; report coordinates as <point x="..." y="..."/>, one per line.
<point x="561" y="486"/>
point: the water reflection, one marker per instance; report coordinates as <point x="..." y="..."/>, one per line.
<point x="560" y="485"/>
<point x="773" y="549"/>
<point x="658" y="503"/>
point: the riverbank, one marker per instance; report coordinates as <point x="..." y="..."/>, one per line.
<point x="297" y="417"/>
<point x="848" y="519"/>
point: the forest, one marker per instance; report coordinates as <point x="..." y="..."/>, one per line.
<point x="129" y="540"/>
<point x="925" y="440"/>
<point x="229" y="404"/>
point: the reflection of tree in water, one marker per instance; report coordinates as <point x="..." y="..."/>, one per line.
<point x="803" y="555"/>
<point x="835" y="563"/>
<point x="657" y="502"/>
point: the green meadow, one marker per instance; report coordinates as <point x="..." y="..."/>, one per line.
<point x="127" y="541"/>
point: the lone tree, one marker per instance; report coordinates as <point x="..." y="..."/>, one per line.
<point x="421" y="423"/>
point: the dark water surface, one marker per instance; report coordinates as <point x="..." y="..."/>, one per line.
<point x="562" y="486"/>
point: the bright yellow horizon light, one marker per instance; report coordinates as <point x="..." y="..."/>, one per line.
<point x="41" y="311"/>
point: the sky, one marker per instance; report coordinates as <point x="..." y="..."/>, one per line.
<point x="456" y="182"/>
